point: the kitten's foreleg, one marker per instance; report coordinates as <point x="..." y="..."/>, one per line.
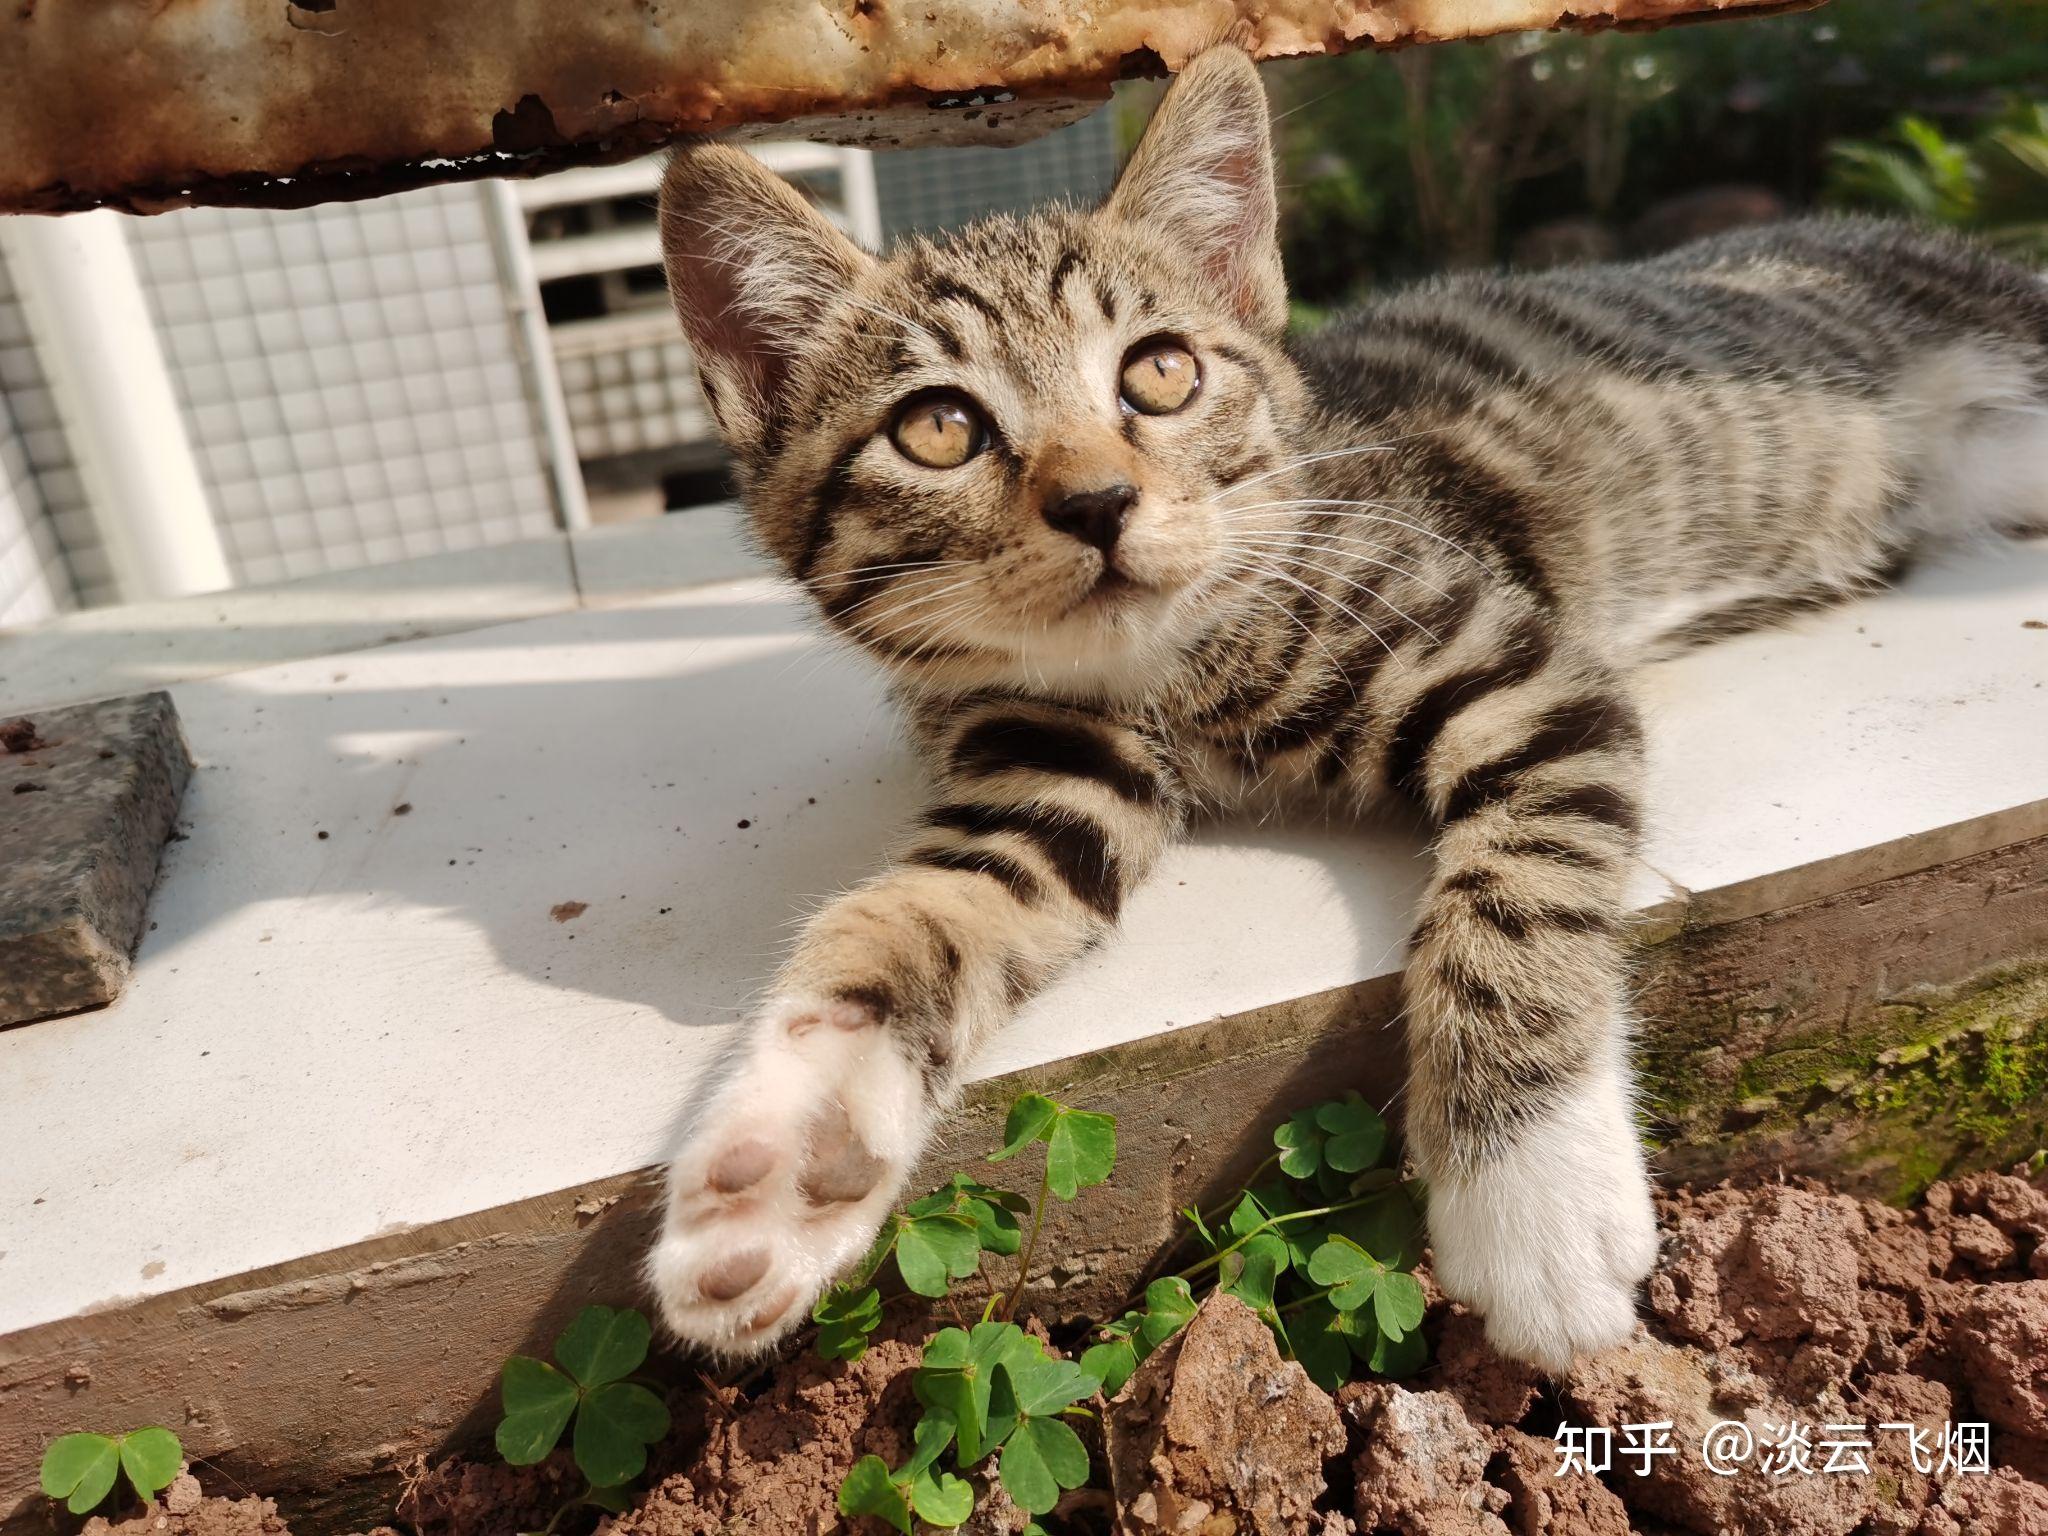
<point x="1520" y="1109"/>
<point x="1047" y="818"/>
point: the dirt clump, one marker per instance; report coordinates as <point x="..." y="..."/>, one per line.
<point x="1216" y="1433"/>
<point x="184" y="1510"/>
<point x="1422" y="1468"/>
<point x="775" y="1462"/>
<point x="1808" y="1365"/>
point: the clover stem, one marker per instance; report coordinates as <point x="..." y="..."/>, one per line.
<point x="1207" y="1217"/>
<point x="1278" y="1221"/>
<point x="1322" y="1295"/>
<point x="1031" y="1242"/>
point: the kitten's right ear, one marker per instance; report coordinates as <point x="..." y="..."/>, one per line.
<point x="751" y="267"/>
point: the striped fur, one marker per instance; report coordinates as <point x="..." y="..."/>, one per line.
<point x="1413" y="557"/>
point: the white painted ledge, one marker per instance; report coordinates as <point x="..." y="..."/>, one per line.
<point x="332" y="1039"/>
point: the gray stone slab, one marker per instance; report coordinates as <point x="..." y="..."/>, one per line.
<point x="89" y="794"/>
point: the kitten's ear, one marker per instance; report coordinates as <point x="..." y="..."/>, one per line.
<point x="751" y="268"/>
<point x="1203" y="174"/>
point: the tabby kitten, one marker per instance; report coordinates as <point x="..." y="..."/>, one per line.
<point x="1134" y="559"/>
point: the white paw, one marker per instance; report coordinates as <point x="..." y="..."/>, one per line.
<point x="787" y="1174"/>
<point x="1549" y="1241"/>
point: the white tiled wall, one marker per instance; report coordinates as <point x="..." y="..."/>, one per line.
<point x="35" y="581"/>
<point x="350" y="379"/>
<point x="637" y="393"/>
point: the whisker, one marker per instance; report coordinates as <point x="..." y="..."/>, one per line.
<point x="1331" y="508"/>
<point x="1322" y="596"/>
<point x="1269" y="552"/>
<point x="842" y="577"/>
<point x="1304" y="460"/>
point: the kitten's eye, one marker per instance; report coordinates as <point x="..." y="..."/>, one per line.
<point x="938" y="431"/>
<point x="1160" y="377"/>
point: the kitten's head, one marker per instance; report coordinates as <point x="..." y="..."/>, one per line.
<point x="1002" y="455"/>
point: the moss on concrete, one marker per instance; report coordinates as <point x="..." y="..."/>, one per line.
<point x="1899" y="1093"/>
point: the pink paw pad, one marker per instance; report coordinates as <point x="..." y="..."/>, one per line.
<point x="839" y="1013"/>
<point x="734" y="1276"/>
<point x="740" y="1166"/>
<point x="838" y="1167"/>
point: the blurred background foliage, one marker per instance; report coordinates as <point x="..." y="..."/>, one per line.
<point x="1555" y="146"/>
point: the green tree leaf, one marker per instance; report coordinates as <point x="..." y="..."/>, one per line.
<point x="603" y="1344"/>
<point x="538" y="1400"/>
<point x="80" y="1469"/>
<point x="932" y="1251"/>
<point x="1356" y="1133"/>
<point x="941" y="1499"/>
<point x="869" y="1490"/>
<point x="1041" y="1458"/>
<point x="1112" y="1363"/>
<point x="151" y="1458"/>
<point x="1397" y="1304"/>
<point x="1080" y="1152"/>
<point x="1030" y="1118"/>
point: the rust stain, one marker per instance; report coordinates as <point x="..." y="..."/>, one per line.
<point x="568" y="911"/>
<point x="259" y="104"/>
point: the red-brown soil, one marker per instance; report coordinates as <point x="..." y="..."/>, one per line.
<point x="1773" y="1307"/>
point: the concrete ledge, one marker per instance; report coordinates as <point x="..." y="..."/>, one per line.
<point x="400" y="1091"/>
<point x="322" y="1375"/>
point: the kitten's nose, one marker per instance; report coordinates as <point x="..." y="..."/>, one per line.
<point x="1093" y="517"/>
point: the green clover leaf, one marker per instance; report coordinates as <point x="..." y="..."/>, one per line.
<point x="845" y="1316"/>
<point x="151" y="1458"/>
<point x="1080" y="1147"/>
<point x="603" y="1344"/>
<point x="1300" y="1141"/>
<point x="1169" y="1307"/>
<point x="80" y="1469"/>
<point x="616" y="1420"/>
<point x="614" y="1426"/>
<point x="1043" y="1457"/>
<point x="1397" y="1305"/>
<point x="869" y="1490"/>
<point x="1356" y="1135"/>
<point x="538" y="1401"/>
<point x="941" y="1499"/>
<point x="1318" y="1333"/>
<point x="1354" y="1273"/>
<point x="933" y="1251"/>
<point x="1112" y="1363"/>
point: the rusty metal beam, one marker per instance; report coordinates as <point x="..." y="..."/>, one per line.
<point x="154" y="104"/>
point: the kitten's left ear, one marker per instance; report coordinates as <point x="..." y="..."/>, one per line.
<point x="752" y="267"/>
<point x="1203" y="174"/>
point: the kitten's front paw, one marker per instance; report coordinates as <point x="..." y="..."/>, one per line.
<point x="1550" y="1241"/>
<point x="787" y="1175"/>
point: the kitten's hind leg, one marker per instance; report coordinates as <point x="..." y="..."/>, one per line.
<point x="1520" y="1110"/>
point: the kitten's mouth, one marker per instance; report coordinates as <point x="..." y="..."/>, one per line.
<point x="1112" y="589"/>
